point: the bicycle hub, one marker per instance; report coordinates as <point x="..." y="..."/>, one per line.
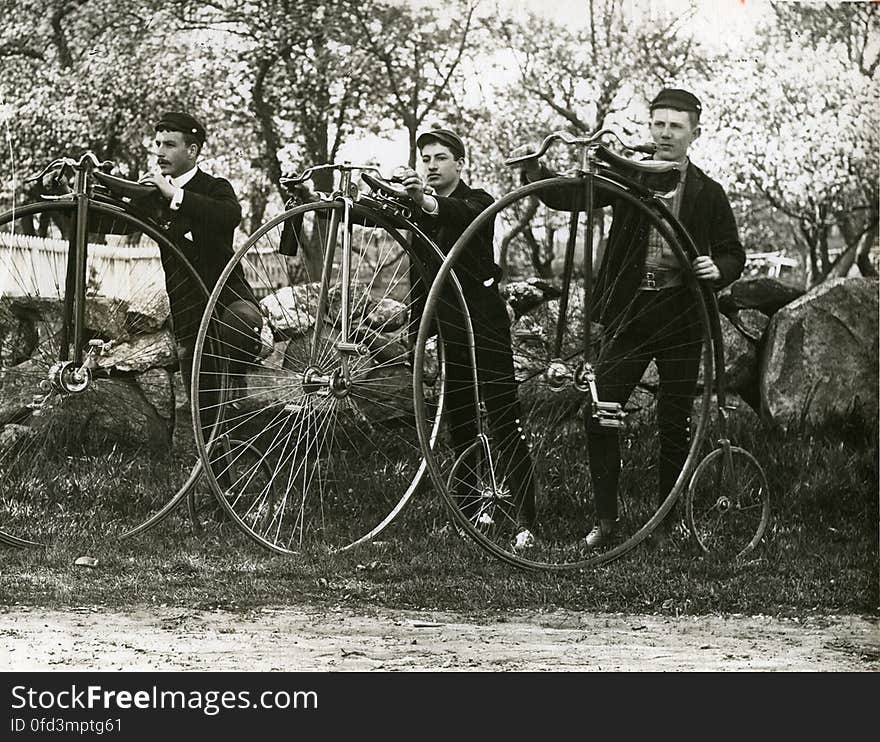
<point x="67" y="377"/>
<point x="558" y="375"/>
<point x="315" y="382"/>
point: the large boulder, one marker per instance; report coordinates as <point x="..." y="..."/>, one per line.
<point x="387" y="315"/>
<point x="524" y="296"/>
<point x="763" y="293"/>
<point x="820" y="355"/>
<point x="742" y="333"/>
<point x="18" y="386"/>
<point x="148" y="311"/>
<point x="157" y="385"/>
<point x="290" y="310"/>
<point x="143" y="352"/>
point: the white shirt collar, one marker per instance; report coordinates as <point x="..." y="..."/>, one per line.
<point x="181" y="180"/>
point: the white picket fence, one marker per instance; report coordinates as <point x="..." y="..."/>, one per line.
<point x="35" y="266"/>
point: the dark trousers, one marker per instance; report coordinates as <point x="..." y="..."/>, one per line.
<point x="662" y="325"/>
<point x="498" y="388"/>
<point x="224" y="358"/>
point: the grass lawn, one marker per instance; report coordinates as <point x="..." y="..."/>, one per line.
<point x="821" y="556"/>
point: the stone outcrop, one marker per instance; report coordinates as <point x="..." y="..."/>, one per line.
<point x="131" y="396"/>
<point x="524" y="296"/>
<point x="816" y="357"/>
<point x="765" y="294"/>
<point x="820" y="355"/>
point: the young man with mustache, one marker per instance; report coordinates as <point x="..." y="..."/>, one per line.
<point x="202" y="213"/>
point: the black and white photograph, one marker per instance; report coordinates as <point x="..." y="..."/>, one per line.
<point x="385" y="336"/>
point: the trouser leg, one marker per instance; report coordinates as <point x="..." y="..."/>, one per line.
<point x="499" y="389"/>
<point x="239" y="330"/>
<point x="678" y="363"/>
<point x="622" y="365"/>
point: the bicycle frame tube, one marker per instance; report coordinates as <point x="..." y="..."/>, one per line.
<point x="346" y="273"/>
<point x="327" y="269"/>
<point x="590" y="169"/>
<point x="82" y="237"/>
<point x="566" y="283"/>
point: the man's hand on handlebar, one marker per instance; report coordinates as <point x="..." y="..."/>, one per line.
<point x="414" y="186"/>
<point x="157" y="179"/>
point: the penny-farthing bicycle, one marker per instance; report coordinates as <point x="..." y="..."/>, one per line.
<point x="315" y="444"/>
<point x="90" y="286"/>
<point x="561" y="348"/>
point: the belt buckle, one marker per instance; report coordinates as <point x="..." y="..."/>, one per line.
<point x="648" y="281"/>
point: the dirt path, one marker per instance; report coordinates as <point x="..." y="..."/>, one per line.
<point x="381" y="639"/>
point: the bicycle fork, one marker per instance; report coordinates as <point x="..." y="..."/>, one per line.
<point x="559" y="374"/>
<point x="316" y="378"/>
<point x="73" y="376"/>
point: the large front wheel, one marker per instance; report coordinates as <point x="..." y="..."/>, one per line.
<point x="94" y="437"/>
<point x="332" y="418"/>
<point x="592" y="402"/>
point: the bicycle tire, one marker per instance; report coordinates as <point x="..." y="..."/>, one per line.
<point x="728" y="504"/>
<point x="123" y="432"/>
<point x="344" y="464"/>
<point x="549" y="421"/>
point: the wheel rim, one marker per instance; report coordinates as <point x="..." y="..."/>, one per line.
<point x="344" y="453"/>
<point x="552" y="414"/>
<point x="104" y="456"/>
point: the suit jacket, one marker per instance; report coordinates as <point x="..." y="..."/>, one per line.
<point x="456" y="212"/>
<point x="203" y="228"/>
<point x="474" y="266"/>
<point x="706" y="215"/>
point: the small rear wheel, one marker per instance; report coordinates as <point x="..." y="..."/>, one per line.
<point x="728" y="503"/>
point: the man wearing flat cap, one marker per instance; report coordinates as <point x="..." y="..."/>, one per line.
<point x="644" y="300"/>
<point x="202" y="213"/>
<point x="446" y="206"/>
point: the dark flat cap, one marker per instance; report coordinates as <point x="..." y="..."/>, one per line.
<point x="183" y="122"/>
<point x="677" y="99"/>
<point x="443" y="136"/>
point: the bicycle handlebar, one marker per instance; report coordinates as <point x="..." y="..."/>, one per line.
<point x="85" y="160"/>
<point x="308" y="172"/>
<point x="570" y="139"/>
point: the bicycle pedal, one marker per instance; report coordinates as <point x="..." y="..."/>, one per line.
<point x="353" y="349"/>
<point x="606" y="422"/>
<point x="609" y="414"/>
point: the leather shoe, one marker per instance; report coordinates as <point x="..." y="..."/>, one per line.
<point x="602" y="534"/>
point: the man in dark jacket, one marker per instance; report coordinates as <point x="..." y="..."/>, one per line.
<point x="201" y="213"/>
<point x="444" y="214"/>
<point x="644" y="307"/>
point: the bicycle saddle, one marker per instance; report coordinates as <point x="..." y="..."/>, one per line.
<point x="122" y="187"/>
<point x="380" y="185"/>
<point x="624" y="163"/>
